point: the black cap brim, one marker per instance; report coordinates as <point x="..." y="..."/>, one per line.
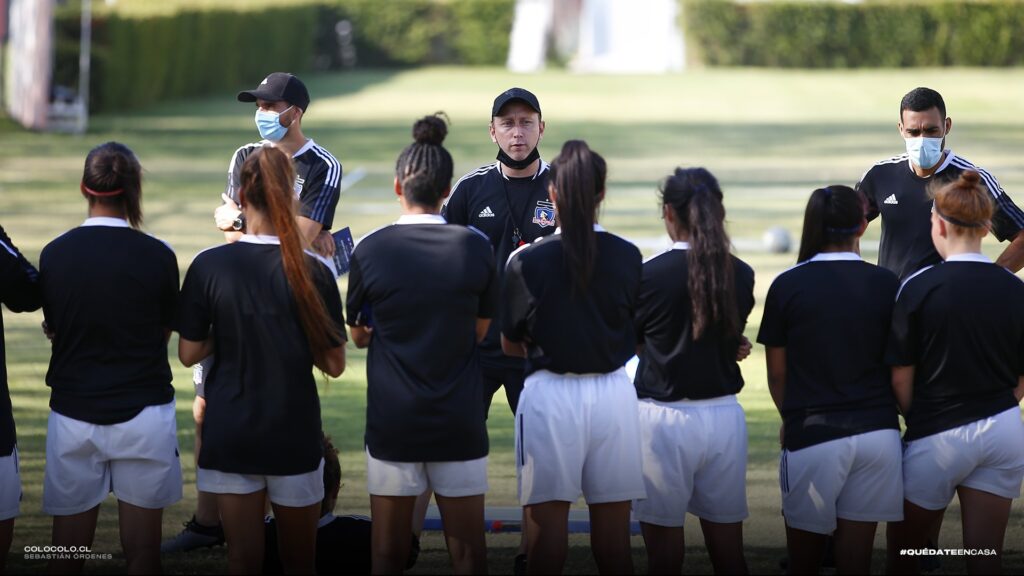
<point x="254" y="95"/>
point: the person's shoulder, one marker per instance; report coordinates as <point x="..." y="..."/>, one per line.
<point x="621" y="245"/>
<point x="476" y="178"/>
<point x="887" y="166"/>
<point x="243" y="151"/>
<point x="741" y="268"/>
<point x="921" y="281"/>
<point x="318" y="154"/>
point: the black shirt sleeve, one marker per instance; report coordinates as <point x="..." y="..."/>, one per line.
<point x="320" y="195"/>
<point x="194" y="316"/>
<point x="235" y="174"/>
<point x="19" y="280"/>
<point x="1008" y="219"/>
<point x="902" y="347"/>
<point x="454" y="210"/>
<point x="169" y="297"/>
<point x="645" y="306"/>
<point x="867" y="187"/>
<point x="516" y="302"/>
<point x="328" y="289"/>
<point x="356" y="300"/>
<point x="490" y="297"/>
<point x="773" y="323"/>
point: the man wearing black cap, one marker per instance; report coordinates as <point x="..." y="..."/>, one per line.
<point x="508" y="201"/>
<point x="281" y="101"/>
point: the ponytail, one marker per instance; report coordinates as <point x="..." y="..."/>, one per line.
<point x="113" y="177"/>
<point x="578" y="178"/>
<point x="833" y="217"/>
<point x="267" y="180"/>
<point x="696" y="200"/>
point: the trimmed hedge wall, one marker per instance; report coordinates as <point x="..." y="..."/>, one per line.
<point x="142" y="60"/>
<point x="826" y="34"/>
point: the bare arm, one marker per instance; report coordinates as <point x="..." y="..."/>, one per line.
<point x="903" y="386"/>
<point x="333" y="362"/>
<point x="308" y="229"/>
<point x="1019" y="391"/>
<point x="1013" y="257"/>
<point x="482" y="324"/>
<point x="361" y="335"/>
<point x="775" y="358"/>
<point x="190" y="351"/>
<point x="510" y="348"/>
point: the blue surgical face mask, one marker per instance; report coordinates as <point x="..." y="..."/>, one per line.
<point x="269" y="124"/>
<point x="925" y="152"/>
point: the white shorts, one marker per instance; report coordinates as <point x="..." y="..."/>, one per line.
<point x="854" y="478"/>
<point x="294" y="491"/>
<point x="450" y="479"/>
<point x="986" y="455"/>
<point x="578" y="434"/>
<point x="137" y="460"/>
<point x="10" y="486"/>
<point x="694" y="460"/>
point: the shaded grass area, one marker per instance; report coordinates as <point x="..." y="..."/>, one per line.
<point x="770" y="137"/>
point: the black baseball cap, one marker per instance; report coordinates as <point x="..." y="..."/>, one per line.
<point x="279" y="86"/>
<point x="515" y="94"/>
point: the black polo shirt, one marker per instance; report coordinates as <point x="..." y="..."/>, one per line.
<point x="567" y="331"/>
<point x="262" y="407"/>
<point x="110" y="293"/>
<point x="422" y="285"/>
<point x="19" y="291"/>
<point x="317" y="180"/>
<point x="672" y="365"/>
<point x="832" y="315"/>
<point x="499" y="206"/>
<point x="900" y="197"/>
<point x="961" y="325"/>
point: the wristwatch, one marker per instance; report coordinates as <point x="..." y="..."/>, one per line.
<point x="238" y="224"/>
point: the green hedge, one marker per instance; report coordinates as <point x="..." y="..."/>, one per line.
<point x="141" y="60"/>
<point x="826" y="34"/>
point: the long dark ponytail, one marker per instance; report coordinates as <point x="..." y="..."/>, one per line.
<point x="578" y="176"/>
<point x="113" y="177"/>
<point x="695" y="198"/>
<point x="267" y="177"/>
<point x="833" y="217"/>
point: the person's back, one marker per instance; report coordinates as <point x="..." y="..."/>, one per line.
<point x="674" y="364"/>
<point x="576" y="331"/>
<point x="424" y="375"/>
<point x="969" y="357"/>
<point x="109" y="295"/>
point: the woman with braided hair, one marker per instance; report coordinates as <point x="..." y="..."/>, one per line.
<point x="421" y="294"/>
<point x="824" y="328"/>
<point x="277" y="314"/>
<point x="957" y="353"/>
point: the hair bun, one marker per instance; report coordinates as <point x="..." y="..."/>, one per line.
<point x="969" y="179"/>
<point x="431" y="129"/>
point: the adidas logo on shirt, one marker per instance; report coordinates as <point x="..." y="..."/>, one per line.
<point x="486" y="213"/>
<point x="890" y="200"/>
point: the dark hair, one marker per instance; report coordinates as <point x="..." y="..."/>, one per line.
<point x="266" y="185"/>
<point x="424" y="168"/>
<point x="964" y="203"/>
<point x="578" y="176"/>
<point x="921" y="99"/>
<point x="332" y="471"/>
<point x="696" y="200"/>
<point x="833" y="217"/>
<point x="113" y="177"/>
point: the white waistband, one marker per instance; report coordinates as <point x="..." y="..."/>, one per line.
<point x="727" y="400"/>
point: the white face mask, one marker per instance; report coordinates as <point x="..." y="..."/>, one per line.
<point x="925" y="152"/>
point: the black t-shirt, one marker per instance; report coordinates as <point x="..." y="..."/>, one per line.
<point x="832" y="315"/>
<point x="422" y="285"/>
<point x="19" y="291"/>
<point x="900" y="196"/>
<point x="672" y="365"/>
<point x="110" y="294"/>
<point x="500" y="206"/>
<point x="566" y="330"/>
<point x="961" y="325"/>
<point x="262" y="407"/>
<point x="317" y="180"/>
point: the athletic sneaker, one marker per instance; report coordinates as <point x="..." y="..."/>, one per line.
<point x="193" y="537"/>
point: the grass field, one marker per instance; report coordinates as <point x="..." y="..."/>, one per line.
<point x="771" y="137"/>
